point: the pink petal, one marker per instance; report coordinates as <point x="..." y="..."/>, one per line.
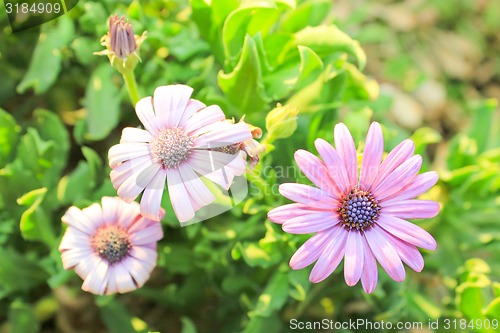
<point x="74" y="238"/>
<point x="71" y="258"/>
<point x="353" y="259"/>
<point x="334" y="164"/>
<point x="310" y="251"/>
<point x="111" y="288"/>
<point x="347" y="151"/>
<point x="385" y="254"/>
<point x="94" y="214"/>
<point x="370" y="272"/>
<point x="179" y="196"/>
<point x="407" y="231"/>
<point x="84" y="267"/>
<point x="372" y="155"/>
<point x="97" y="279"/>
<point x="150" y="234"/>
<point x="126" y="151"/>
<point x="75" y="218"/>
<point x="137" y="270"/>
<point x="146" y="114"/>
<point x="310" y="223"/>
<point x="223" y="136"/>
<point x="421" y="184"/>
<point x="124" y="281"/>
<point x="314" y="169"/>
<point x="192" y="107"/>
<point x="121" y="172"/>
<point x="134" y="185"/>
<point x="412" y="209"/>
<point x="195" y="187"/>
<point x="145" y="254"/>
<point x="408" y="253"/>
<point x="135" y="135"/>
<point x="399" y="178"/>
<point x="308" y="195"/>
<point x="110" y="209"/>
<point x="128" y="215"/>
<point x="151" y="198"/>
<point x="216" y="166"/>
<point x="170" y="104"/>
<point x="204" y="117"/>
<point x="396" y="157"/>
<point x="330" y="258"/>
<point x="286" y="212"/>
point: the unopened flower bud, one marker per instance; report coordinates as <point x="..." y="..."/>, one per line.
<point x="281" y="122"/>
<point x="121" y="44"/>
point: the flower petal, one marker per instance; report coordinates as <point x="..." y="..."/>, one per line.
<point x="202" y="118"/>
<point x="394" y="159"/>
<point x="223" y="136"/>
<point x="370" y="271"/>
<point x="71" y="258"/>
<point x="412" y="209"/>
<point x="286" y="212"/>
<point x="421" y="184"/>
<point x="74" y="238"/>
<point x="125" y="170"/>
<point x="195" y="187"/>
<point x="347" y="151"/>
<point x="111" y="288"/>
<point x="408" y="253"/>
<point x="334" y="164"/>
<point x="135" y="135"/>
<point x="314" y="169"/>
<point x="385" y="254"/>
<point x="399" y="178"/>
<point x="135" y="184"/>
<point x="353" y="259"/>
<point x="192" y="107"/>
<point x="151" y="198"/>
<point x="110" y="209"/>
<point x="150" y="234"/>
<point x="146" y="114"/>
<point x="179" y="196"/>
<point x="310" y="251"/>
<point x="308" y="195"/>
<point x="124" y="282"/>
<point x="372" y="155"/>
<point x="407" y="231"/>
<point x="330" y="258"/>
<point x="75" y="218"/>
<point x="97" y="279"/>
<point x="136" y="270"/>
<point x="217" y="166"/>
<point x="126" y="151"/>
<point x="170" y="104"/>
<point x="310" y="223"/>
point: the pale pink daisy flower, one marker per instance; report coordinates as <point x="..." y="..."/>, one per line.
<point x="110" y="246"/>
<point x="182" y="141"/>
<point x="361" y="220"/>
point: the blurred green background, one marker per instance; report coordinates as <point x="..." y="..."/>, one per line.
<point x="428" y="70"/>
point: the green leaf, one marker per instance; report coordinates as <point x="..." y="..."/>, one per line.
<point x="309" y="13"/>
<point x="470" y="299"/>
<point x="325" y="40"/>
<point x="9" y="134"/>
<point x="249" y="19"/>
<point x="274" y="296"/>
<point x="102" y="102"/>
<point x="244" y="86"/>
<point x="423" y="137"/>
<point x="493" y="309"/>
<point x="22" y="318"/>
<point x="252" y="254"/>
<point x="45" y="63"/>
<point x="18" y="273"/>
<point x="483" y="120"/>
<point x="77" y="185"/>
<point x="188" y="325"/>
<point x="35" y="223"/>
<point x="117" y="318"/>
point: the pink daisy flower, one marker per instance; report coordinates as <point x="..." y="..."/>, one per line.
<point x="110" y="246"/>
<point x="360" y="220"/>
<point x="182" y="141"/>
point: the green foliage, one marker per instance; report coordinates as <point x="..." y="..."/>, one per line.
<point x="62" y="108"/>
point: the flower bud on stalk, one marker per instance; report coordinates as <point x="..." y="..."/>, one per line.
<point x="281" y="122"/>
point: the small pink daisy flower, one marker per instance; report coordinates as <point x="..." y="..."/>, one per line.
<point x="110" y="246"/>
<point x="361" y="220"/>
<point x="182" y="141"/>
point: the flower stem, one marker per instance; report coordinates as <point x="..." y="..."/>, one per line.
<point x="131" y="83"/>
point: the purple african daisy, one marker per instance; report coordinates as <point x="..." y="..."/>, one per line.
<point x="110" y="246"/>
<point x="361" y="220"/>
<point x="183" y="140"/>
